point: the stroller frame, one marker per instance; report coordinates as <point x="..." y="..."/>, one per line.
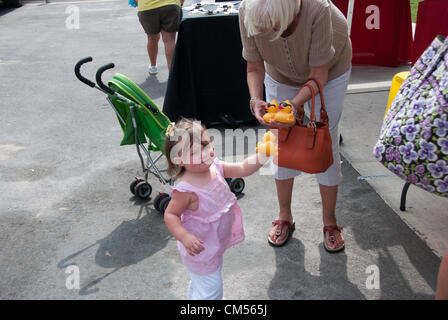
<point x="139" y="186"/>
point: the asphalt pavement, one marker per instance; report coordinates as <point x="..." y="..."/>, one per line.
<point x="64" y="184"/>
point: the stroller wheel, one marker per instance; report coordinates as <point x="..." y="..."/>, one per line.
<point x="159" y="199"/>
<point x="164" y="204"/>
<point x="237" y="186"/>
<point x="143" y="190"/>
<point x="133" y="184"/>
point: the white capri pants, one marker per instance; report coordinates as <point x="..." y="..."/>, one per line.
<point x="206" y="287"/>
<point x="334" y="94"/>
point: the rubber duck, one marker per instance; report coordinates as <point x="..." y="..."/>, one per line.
<point x="268" y="148"/>
<point x="271" y="111"/>
<point x="268" y="136"/>
<point x="285" y="115"/>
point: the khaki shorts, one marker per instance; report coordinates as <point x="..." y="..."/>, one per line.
<point x="165" y="18"/>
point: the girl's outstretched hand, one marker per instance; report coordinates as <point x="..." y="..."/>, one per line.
<point x="192" y="244"/>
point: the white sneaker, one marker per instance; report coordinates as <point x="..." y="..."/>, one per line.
<point x="152" y="69"/>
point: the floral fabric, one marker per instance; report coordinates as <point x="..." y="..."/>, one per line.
<point x="413" y="141"/>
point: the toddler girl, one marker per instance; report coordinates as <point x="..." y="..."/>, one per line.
<point x="203" y="214"/>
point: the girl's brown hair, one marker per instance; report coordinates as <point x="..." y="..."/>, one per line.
<point x="174" y="136"/>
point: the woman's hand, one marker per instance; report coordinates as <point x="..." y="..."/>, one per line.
<point x="192" y="244"/>
<point x="259" y="108"/>
<point x="276" y="124"/>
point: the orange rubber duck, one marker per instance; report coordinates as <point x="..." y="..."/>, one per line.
<point x="271" y="111"/>
<point x="285" y="115"/>
<point x="268" y="148"/>
<point x="267" y="145"/>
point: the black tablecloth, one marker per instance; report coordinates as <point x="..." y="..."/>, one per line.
<point x="208" y="74"/>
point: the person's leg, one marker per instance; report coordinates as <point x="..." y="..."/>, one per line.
<point x="284" y="196"/>
<point x="334" y="94"/>
<point x="284" y="177"/>
<point x="442" y="280"/>
<point x="206" y="287"/>
<point x="329" y="196"/>
<point x="149" y="20"/>
<point x="170" y="17"/>
<point x="169" y="41"/>
<point x="153" y="48"/>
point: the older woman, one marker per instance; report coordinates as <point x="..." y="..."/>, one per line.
<point x="285" y="43"/>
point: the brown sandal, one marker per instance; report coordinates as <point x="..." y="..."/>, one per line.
<point x="290" y="229"/>
<point x="332" y="238"/>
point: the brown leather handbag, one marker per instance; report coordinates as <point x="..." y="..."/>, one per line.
<point x="306" y="147"/>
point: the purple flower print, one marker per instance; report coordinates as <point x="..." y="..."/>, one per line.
<point x="410" y="129"/>
<point x="408" y="152"/>
<point x="443" y="142"/>
<point x="398" y="170"/>
<point x="397" y="140"/>
<point x="378" y="150"/>
<point x="426" y="181"/>
<point x="412" y="178"/>
<point x="427" y="151"/>
<point x="397" y="156"/>
<point x="443" y="83"/>
<point x="427" y="134"/>
<point x="394" y="130"/>
<point x="416" y="108"/>
<point x="428" y="188"/>
<point x="426" y="122"/>
<point x="442" y="127"/>
<point x="390" y="154"/>
<point x="420" y="169"/>
<point x="439" y="169"/>
<point x="442" y="185"/>
<point x="427" y="56"/>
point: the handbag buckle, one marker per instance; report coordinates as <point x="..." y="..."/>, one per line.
<point x="311" y="139"/>
<point x="312" y="125"/>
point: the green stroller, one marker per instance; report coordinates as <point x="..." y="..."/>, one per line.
<point x="141" y="121"/>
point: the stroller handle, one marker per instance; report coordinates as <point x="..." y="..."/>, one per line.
<point x="98" y="78"/>
<point x="78" y="72"/>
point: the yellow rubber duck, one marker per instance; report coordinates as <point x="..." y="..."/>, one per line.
<point x="268" y="136"/>
<point x="285" y="115"/>
<point x="268" y="148"/>
<point x="271" y="111"/>
<point x="267" y="145"/>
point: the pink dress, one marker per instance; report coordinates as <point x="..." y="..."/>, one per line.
<point x="217" y="222"/>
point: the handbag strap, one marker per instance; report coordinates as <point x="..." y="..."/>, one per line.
<point x="323" y="110"/>
<point x="313" y="102"/>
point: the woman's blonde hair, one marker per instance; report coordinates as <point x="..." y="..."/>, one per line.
<point x="183" y="131"/>
<point x="261" y="15"/>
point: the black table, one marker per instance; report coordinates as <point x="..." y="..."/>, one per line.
<point x="207" y="80"/>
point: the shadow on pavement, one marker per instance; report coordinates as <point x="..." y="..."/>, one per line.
<point x="292" y="281"/>
<point x="131" y="242"/>
<point x="4" y="10"/>
<point x="403" y="257"/>
<point x="375" y="235"/>
<point x="153" y="88"/>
